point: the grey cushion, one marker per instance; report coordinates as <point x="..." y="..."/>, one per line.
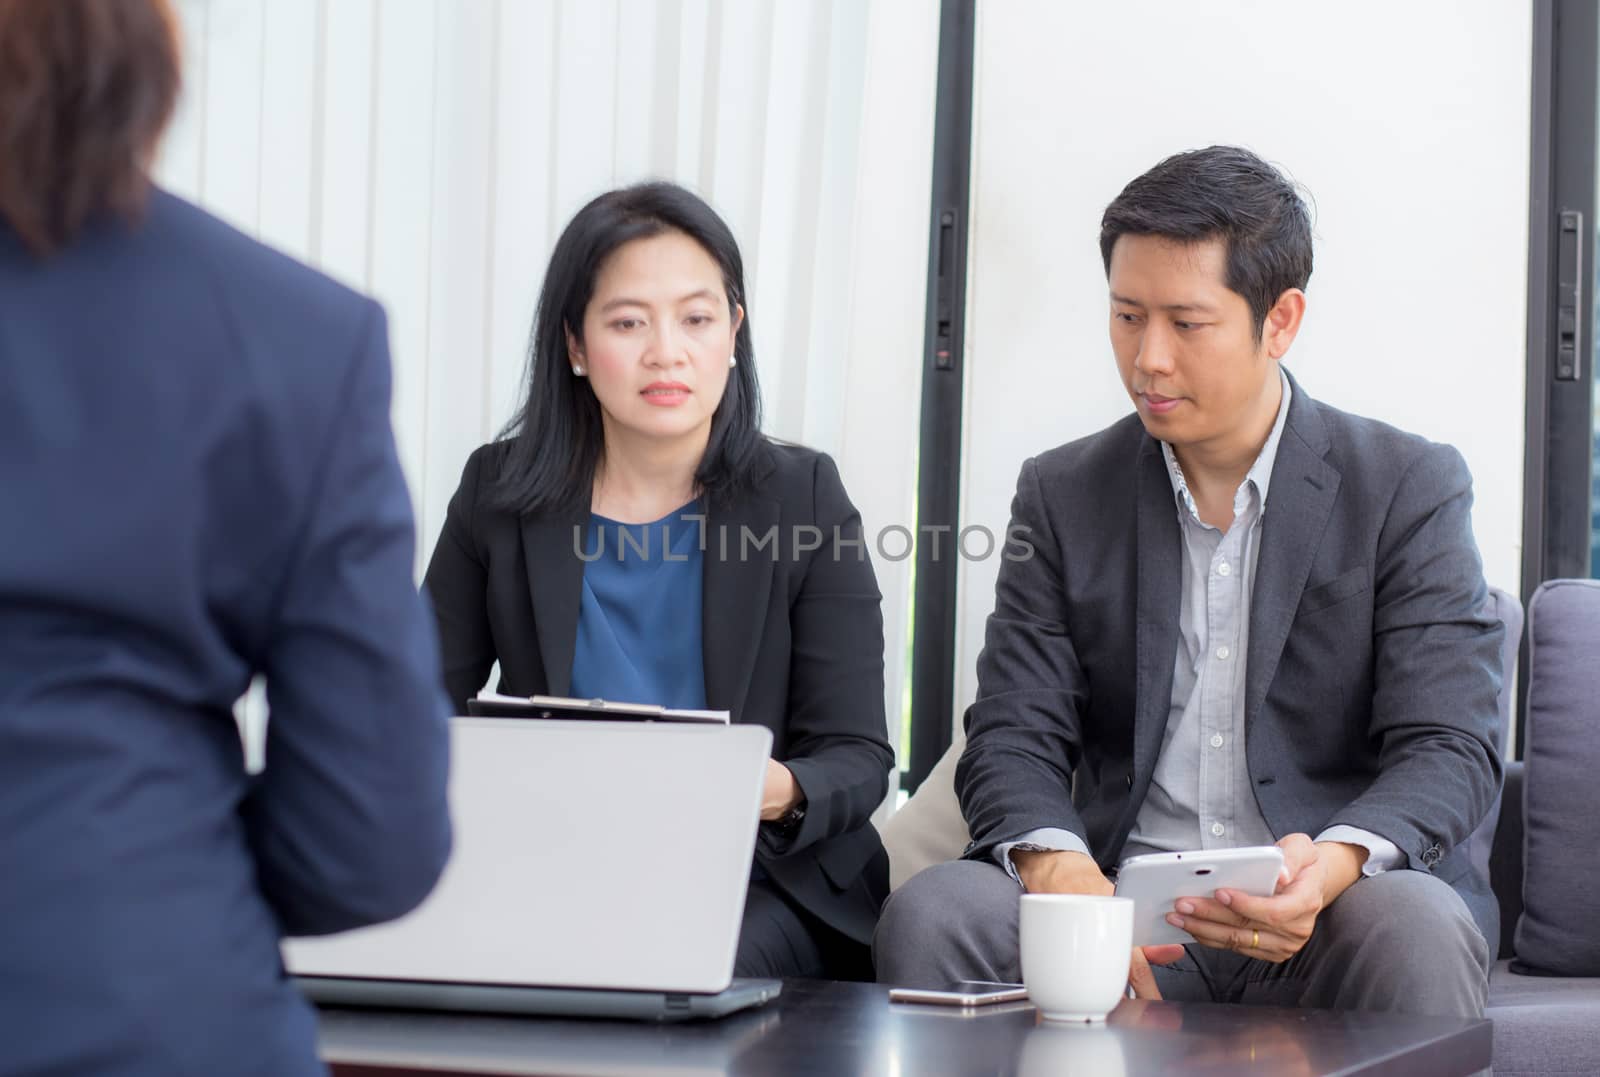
<point x="928" y="829"/>
<point x="1543" y="1024"/>
<point x="1559" y="931"/>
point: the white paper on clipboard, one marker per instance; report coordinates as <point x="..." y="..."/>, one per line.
<point x="496" y="705"/>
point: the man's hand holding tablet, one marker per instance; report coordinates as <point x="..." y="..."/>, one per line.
<point x="1270" y="917"/>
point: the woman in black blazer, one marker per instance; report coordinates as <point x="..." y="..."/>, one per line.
<point x="642" y="414"/>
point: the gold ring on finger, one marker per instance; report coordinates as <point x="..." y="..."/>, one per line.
<point x="1255" y="939"/>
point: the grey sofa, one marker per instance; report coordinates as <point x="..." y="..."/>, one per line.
<point x="1544" y="992"/>
<point x="1544" y="1023"/>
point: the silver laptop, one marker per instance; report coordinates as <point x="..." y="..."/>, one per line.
<point x="599" y="869"/>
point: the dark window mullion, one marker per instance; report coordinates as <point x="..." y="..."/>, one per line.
<point x="1560" y="409"/>
<point x="933" y="647"/>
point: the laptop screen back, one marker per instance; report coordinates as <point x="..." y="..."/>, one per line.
<point x="587" y="854"/>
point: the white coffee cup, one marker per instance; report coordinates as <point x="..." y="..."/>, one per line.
<point x="1075" y="953"/>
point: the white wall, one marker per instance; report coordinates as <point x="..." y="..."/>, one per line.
<point x="430" y="151"/>
<point x="1409" y="124"/>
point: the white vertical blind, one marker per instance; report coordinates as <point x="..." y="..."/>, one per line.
<point x="288" y="96"/>
<point x="429" y="152"/>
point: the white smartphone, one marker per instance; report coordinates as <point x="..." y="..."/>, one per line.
<point x="962" y="993"/>
<point x="1157" y="880"/>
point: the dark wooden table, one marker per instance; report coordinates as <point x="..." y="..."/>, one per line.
<point x="846" y="1029"/>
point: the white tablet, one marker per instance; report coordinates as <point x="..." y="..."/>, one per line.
<point x="1155" y="881"/>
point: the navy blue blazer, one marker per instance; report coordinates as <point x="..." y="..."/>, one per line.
<point x="200" y="484"/>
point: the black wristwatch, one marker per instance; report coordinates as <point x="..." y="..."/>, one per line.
<point x="788" y="824"/>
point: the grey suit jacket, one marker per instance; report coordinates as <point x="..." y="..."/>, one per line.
<point x="1372" y="674"/>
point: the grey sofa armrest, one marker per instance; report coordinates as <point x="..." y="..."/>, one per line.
<point x="1561" y="750"/>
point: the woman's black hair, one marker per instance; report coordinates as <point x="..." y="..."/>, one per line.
<point x="556" y="437"/>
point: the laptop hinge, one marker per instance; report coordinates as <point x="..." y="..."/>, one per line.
<point x="679" y="1002"/>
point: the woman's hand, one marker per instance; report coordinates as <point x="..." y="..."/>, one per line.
<point x="779" y="792"/>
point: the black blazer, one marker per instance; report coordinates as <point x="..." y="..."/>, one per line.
<point x="1370" y="690"/>
<point x="792" y="638"/>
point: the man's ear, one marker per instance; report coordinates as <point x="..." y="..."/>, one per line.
<point x="1282" y="323"/>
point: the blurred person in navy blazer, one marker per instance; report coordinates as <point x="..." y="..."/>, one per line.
<point x="200" y="486"/>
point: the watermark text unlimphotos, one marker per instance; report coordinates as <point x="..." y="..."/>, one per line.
<point x="744" y="543"/>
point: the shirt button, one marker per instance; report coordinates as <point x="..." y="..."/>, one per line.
<point x="1216" y="740"/>
<point x="1223" y="653"/>
<point x="1217" y="829"/>
<point x="1224" y="569"/>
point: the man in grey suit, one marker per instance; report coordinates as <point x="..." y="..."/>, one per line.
<point x="1249" y="619"/>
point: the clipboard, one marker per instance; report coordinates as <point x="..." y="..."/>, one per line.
<point x="495" y="705"/>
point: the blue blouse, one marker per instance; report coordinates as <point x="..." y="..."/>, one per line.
<point x="639" y="616"/>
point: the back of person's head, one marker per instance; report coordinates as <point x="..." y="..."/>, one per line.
<point x="1226" y="193"/>
<point x="86" y="87"/>
<point x="559" y="430"/>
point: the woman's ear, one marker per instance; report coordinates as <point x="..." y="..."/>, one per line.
<point x="574" y="347"/>
<point x="738" y="318"/>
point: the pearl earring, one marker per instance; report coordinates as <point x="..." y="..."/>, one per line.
<point x="733" y="361"/>
<point x="578" y="370"/>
